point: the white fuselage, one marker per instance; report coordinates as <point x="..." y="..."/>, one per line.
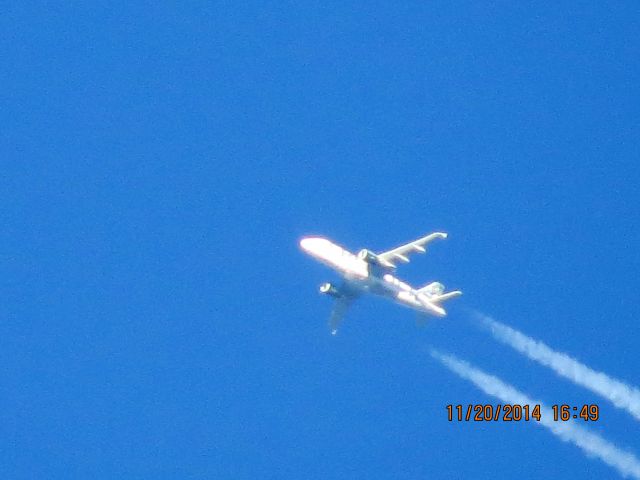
<point x="363" y="277"/>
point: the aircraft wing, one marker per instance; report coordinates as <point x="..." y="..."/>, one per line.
<point x="401" y="253"/>
<point x="340" y="307"/>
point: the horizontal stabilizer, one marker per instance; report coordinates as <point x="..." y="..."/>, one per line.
<point x="430" y="306"/>
<point x="445" y="296"/>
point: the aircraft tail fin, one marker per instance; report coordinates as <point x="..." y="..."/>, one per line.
<point x="431" y="289"/>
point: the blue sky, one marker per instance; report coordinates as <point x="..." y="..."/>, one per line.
<point x="161" y="162"/>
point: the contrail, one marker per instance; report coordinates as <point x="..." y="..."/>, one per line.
<point x="619" y="393"/>
<point x="626" y="463"/>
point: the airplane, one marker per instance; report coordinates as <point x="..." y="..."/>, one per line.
<point x="368" y="272"/>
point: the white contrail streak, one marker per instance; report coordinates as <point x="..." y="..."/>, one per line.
<point x="626" y="463"/>
<point x="620" y="394"/>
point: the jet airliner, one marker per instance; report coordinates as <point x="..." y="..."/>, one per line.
<point x="368" y="272"/>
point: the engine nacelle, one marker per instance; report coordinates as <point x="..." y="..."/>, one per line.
<point x="369" y="257"/>
<point x="329" y="289"/>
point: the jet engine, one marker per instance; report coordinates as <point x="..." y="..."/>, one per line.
<point x="329" y="289"/>
<point x="369" y="257"/>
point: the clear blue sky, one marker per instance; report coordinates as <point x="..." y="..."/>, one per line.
<point x="161" y="162"/>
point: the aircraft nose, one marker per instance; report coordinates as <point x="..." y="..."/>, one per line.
<point x="305" y="244"/>
<point x="311" y="244"/>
